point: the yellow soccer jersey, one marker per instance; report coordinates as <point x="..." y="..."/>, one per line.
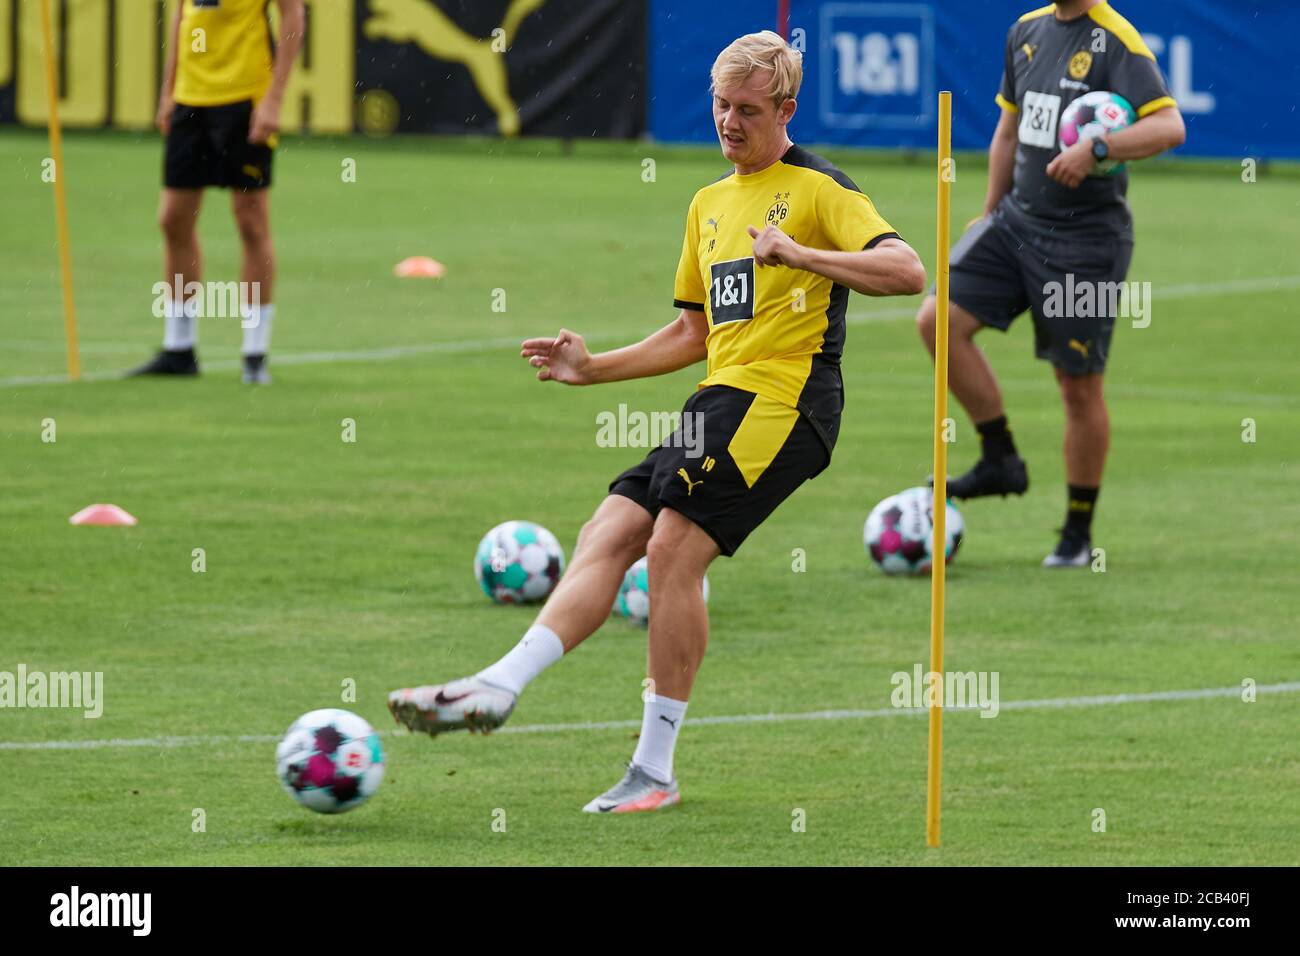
<point x="223" y="53"/>
<point x="775" y="331"/>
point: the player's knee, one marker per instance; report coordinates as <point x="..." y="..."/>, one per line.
<point x="176" y="224"/>
<point x="615" y="536"/>
<point x="1081" y="394"/>
<point x="925" y="322"/>
<point x="669" y="550"/>
<point x="252" y="225"/>
<point x="659" y="552"/>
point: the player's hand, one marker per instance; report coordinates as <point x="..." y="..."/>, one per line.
<point x="166" y="106"/>
<point x="772" y="247"/>
<point x="562" y="359"/>
<point x="1072" y="166"/>
<point x="265" y="122"/>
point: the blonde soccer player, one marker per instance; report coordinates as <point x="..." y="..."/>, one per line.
<point x="770" y="253"/>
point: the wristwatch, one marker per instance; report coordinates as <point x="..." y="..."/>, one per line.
<point x="1100" y="149"/>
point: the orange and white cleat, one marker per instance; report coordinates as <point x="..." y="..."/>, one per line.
<point x="466" y="704"/>
<point x="637" y="791"/>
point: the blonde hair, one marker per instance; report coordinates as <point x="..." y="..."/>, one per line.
<point x="759" y="51"/>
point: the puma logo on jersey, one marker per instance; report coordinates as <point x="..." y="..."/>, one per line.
<point x="690" y="485"/>
<point x="714" y="222"/>
<point x="1080" y="347"/>
<point x="1029" y="49"/>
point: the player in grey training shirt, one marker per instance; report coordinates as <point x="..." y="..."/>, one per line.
<point x="1054" y="226"/>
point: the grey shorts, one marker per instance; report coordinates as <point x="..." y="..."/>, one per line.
<point x="1003" y="266"/>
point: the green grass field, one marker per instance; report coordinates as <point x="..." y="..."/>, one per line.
<point x="329" y="560"/>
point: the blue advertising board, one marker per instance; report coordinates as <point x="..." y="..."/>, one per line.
<point x="872" y="69"/>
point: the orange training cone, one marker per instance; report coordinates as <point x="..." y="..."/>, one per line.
<point x="102" y="515"/>
<point x="419" y="267"/>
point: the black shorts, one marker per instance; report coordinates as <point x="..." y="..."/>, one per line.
<point x="208" y="146"/>
<point x="753" y="453"/>
<point x="1001" y="267"/>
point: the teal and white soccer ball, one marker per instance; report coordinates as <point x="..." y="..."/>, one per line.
<point x="330" y="761"/>
<point x="1092" y="114"/>
<point x="518" y="562"/>
<point x="899" y="533"/>
<point x="633" y="601"/>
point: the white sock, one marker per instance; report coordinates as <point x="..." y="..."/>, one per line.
<point x="659" y="725"/>
<point x="257" y="329"/>
<point x="539" y="648"/>
<point x="180" y="326"/>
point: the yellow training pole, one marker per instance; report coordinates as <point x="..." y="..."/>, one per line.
<point x="60" y="199"/>
<point x="934" y="766"/>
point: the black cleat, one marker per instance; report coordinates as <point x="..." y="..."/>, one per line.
<point x="255" y="370"/>
<point x="1007" y="476"/>
<point x="1072" y="552"/>
<point x="179" y="362"/>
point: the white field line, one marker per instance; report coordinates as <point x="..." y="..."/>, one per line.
<point x="389" y="354"/>
<point x="1191" y="290"/>
<point x="1051" y="703"/>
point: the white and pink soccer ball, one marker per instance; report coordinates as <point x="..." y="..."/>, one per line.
<point x="899" y="532"/>
<point x="1093" y="114"/>
<point x="330" y="761"/>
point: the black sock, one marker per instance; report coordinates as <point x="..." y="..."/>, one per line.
<point x="1079" y="511"/>
<point x="995" y="438"/>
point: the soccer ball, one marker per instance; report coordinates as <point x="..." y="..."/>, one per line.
<point x="518" y="562"/>
<point x="330" y="761"/>
<point x="633" y="601"/>
<point x="1093" y="114"/>
<point x="899" y="531"/>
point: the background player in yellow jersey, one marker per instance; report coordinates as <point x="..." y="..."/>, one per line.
<point x="219" y="109"/>
<point x="770" y="253"/>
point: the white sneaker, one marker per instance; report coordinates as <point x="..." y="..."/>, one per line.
<point x="465" y="704"/>
<point x="1070" y="553"/>
<point x="636" y="791"/>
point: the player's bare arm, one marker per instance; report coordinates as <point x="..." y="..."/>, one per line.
<point x="1153" y="134"/>
<point x="1002" y="161"/>
<point x="266" y="115"/>
<point x="166" y="103"/>
<point x="565" y="357"/>
<point x="1150" y="136"/>
<point x="891" y="267"/>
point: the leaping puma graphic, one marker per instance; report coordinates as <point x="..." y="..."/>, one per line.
<point x="421" y="22"/>
<point x="690" y="485"/>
